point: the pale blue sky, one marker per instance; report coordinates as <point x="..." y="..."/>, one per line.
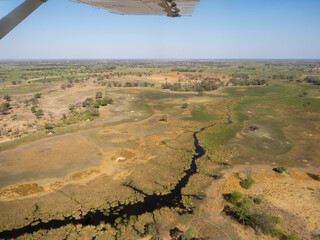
<point x="219" y="29"/>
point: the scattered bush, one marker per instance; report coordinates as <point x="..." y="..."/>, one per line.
<point x="98" y="95"/>
<point x="71" y="107"/>
<point x="280" y="169"/>
<point x="96" y="105"/>
<point x="88" y="102"/>
<point x="265" y="223"/>
<point x="4" y="108"/>
<point x="188" y="235"/>
<point x="163" y="119"/>
<point x="39" y="113"/>
<point x="253" y="128"/>
<point x="276" y="232"/>
<point x="104" y="102"/>
<point x="49" y="126"/>
<point x="185" y="105"/>
<point x="233" y="197"/>
<point x="201" y="93"/>
<point x="257" y="201"/>
<point x="303" y="93"/>
<point x="313" y="79"/>
<point x="293" y="236"/>
<point x="243" y="212"/>
<point x="37" y="95"/>
<point x="7" y="98"/>
<point x="247" y="183"/>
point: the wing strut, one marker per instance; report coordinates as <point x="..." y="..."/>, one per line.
<point x="15" y="17"/>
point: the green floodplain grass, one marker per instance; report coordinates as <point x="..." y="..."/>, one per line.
<point x="201" y="114"/>
<point x="260" y="100"/>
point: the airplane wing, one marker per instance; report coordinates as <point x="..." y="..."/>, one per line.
<point x="171" y="8"/>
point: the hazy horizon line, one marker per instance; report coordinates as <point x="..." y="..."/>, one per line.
<point x="160" y="59"/>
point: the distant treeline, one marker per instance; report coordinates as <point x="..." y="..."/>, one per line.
<point x="313" y="80"/>
<point x="121" y="74"/>
<point x="194" y="86"/>
<point x="126" y="84"/>
<point x="185" y="70"/>
<point x="247" y="82"/>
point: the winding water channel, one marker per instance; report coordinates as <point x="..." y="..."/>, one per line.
<point x="149" y="204"/>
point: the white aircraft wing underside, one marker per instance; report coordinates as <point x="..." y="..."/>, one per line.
<point x="174" y="8"/>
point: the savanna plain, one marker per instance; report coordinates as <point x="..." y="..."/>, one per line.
<point x="160" y="149"/>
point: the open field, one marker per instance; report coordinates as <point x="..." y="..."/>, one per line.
<point x="135" y="149"/>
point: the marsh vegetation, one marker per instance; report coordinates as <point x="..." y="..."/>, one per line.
<point x="133" y="149"/>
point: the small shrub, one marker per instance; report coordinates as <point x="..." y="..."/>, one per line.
<point x="265" y="223"/>
<point x="88" y="102"/>
<point x="39" y="113"/>
<point x="257" y="201"/>
<point x="201" y="93"/>
<point x="37" y="95"/>
<point x="188" y="235"/>
<point x="303" y="93"/>
<point x="33" y="109"/>
<point x="49" y="126"/>
<point x="185" y="105"/>
<point x="163" y="142"/>
<point x="98" y="95"/>
<point x="71" y="107"/>
<point x="7" y="98"/>
<point x="280" y="169"/>
<point x="233" y="197"/>
<point x="293" y="236"/>
<point x="276" y="232"/>
<point x="96" y="105"/>
<point x="253" y="128"/>
<point x="4" y="108"/>
<point x="247" y="183"/>
<point x="104" y="102"/>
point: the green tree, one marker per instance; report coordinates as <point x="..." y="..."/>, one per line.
<point x="247" y="183"/>
<point x="243" y="212"/>
<point x="7" y="98"/>
<point x="39" y="113"/>
<point x="233" y="197"/>
<point x="104" y="102"/>
<point x="96" y="105"/>
<point x="33" y="109"/>
<point x="4" y="108"/>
